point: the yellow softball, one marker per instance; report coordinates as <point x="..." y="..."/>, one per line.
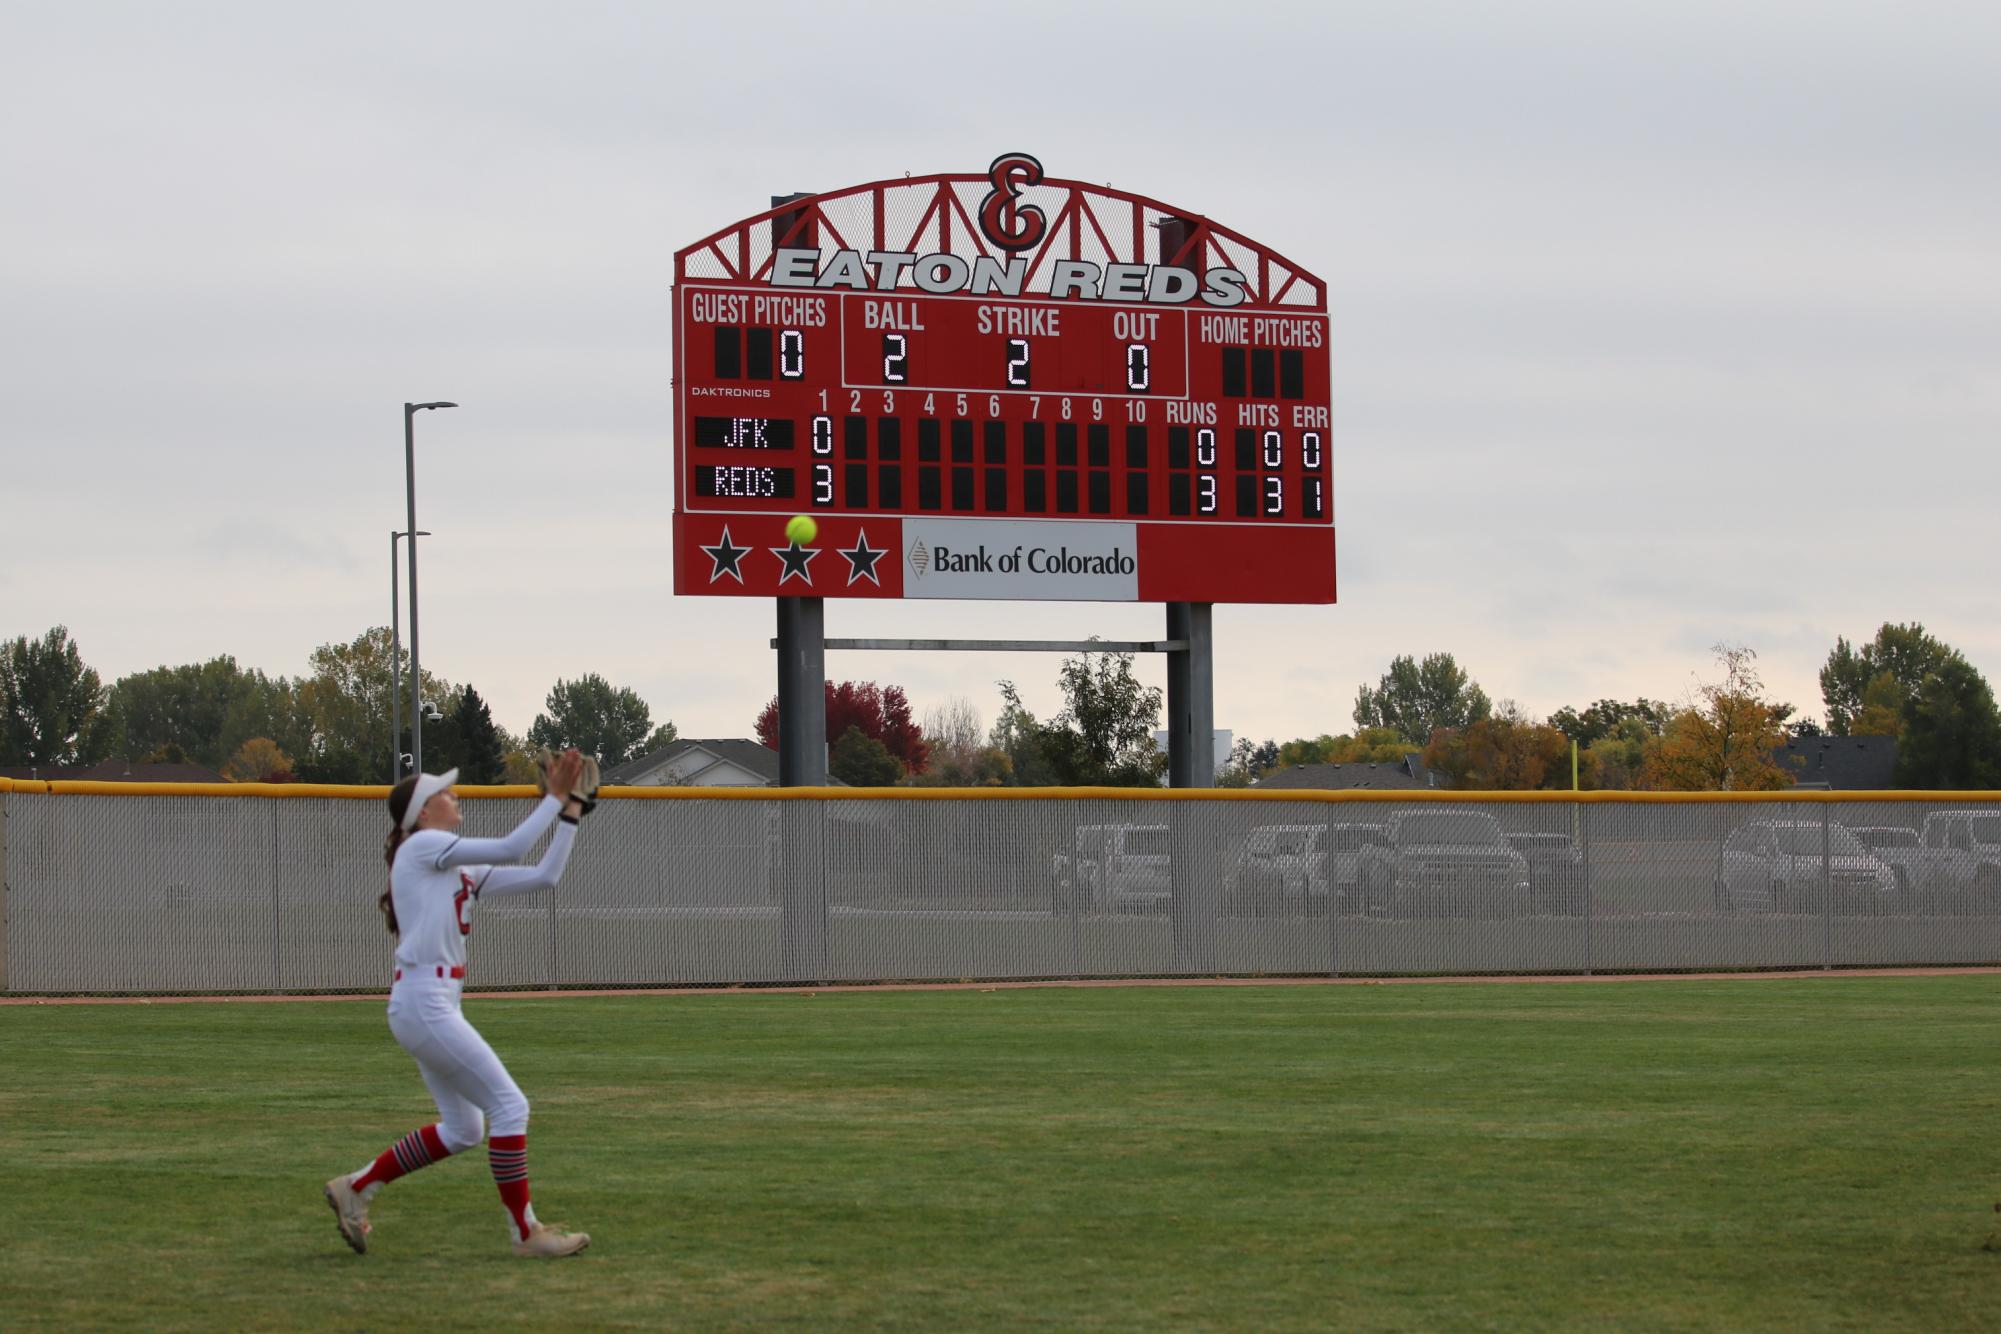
<point x="800" y="528"/>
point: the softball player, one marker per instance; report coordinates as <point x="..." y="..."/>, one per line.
<point x="435" y="879"/>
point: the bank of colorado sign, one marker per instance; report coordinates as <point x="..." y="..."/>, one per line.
<point x="1041" y="562"/>
<point x="1000" y="385"/>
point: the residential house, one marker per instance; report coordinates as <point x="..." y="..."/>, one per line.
<point x="1840" y="763"/>
<point x="117" y="771"/>
<point x="688" y="762"/>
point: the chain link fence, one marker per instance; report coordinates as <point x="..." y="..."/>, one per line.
<point x="256" y="893"/>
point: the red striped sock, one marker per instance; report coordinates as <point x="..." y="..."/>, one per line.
<point x="508" y="1156"/>
<point x="419" y="1148"/>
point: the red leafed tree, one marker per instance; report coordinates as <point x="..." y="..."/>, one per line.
<point x="882" y="712"/>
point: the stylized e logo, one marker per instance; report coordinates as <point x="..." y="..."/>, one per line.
<point x="1008" y="223"/>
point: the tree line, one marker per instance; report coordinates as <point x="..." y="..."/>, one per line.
<point x="328" y="725"/>
<point x="1725" y="734"/>
<point x="331" y="723"/>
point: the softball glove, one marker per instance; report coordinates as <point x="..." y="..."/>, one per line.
<point x="584" y="791"/>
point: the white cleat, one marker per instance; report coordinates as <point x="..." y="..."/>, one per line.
<point x="546" y="1241"/>
<point x="350" y="1213"/>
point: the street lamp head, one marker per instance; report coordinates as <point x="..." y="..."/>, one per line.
<point x="418" y="407"/>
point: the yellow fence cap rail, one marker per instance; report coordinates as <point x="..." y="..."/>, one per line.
<point x="1367" y="796"/>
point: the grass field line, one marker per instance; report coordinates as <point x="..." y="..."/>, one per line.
<point x="969" y="984"/>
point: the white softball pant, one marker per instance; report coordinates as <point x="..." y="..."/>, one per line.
<point x="472" y="1088"/>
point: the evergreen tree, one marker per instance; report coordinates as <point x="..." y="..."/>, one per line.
<point x="482" y="750"/>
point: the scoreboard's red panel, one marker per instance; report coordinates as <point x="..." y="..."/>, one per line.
<point x="998" y="386"/>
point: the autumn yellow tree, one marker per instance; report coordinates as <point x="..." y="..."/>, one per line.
<point x="1618" y="759"/>
<point x="1724" y="738"/>
<point x="1307" y="750"/>
<point x="1368" y="745"/>
<point x="258" y="760"/>
<point x="1505" y="752"/>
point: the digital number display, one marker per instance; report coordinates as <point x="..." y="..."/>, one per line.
<point x="921" y="405"/>
<point x="984" y="346"/>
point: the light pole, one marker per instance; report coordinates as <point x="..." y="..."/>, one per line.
<point x="410" y="411"/>
<point x="395" y="666"/>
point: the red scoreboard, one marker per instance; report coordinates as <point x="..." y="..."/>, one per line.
<point x="1000" y="386"/>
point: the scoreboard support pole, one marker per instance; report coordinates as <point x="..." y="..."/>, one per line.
<point x="802" y="762"/>
<point x="1191" y="695"/>
<point x="1191" y="762"/>
<point x="802" y="692"/>
<point x="802" y="758"/>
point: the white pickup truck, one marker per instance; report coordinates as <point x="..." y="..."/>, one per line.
<point x="1963" y="854"/>
<point x="1443" y="862"/>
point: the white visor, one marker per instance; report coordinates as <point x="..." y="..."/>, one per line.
<point x="428" y="786"/>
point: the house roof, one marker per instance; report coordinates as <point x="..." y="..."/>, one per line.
<point x="1842" y="763"/>
<point x="1407" y="774"/>
<point x="740" y="751"/>
<point x="117" y="771"/>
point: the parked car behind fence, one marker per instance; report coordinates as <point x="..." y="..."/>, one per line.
<point x="1556" y="873"/>
<point x="1899" y="848"/>
<point x="1444" y="862"/>
<point x="1963" y="858"/>
<point x="1790" y="866"/>
<point x="1298" y="869"/>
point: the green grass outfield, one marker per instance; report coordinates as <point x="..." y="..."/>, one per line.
<point x="1773" y="1153"/>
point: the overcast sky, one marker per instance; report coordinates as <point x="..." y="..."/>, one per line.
<point x="1653" y="325"/>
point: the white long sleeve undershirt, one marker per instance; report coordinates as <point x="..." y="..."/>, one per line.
<point x="544" y="874"/>
<point x="510" y="847"/>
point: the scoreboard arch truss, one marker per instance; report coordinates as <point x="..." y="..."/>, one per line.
<point x="1000" y="385"/>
